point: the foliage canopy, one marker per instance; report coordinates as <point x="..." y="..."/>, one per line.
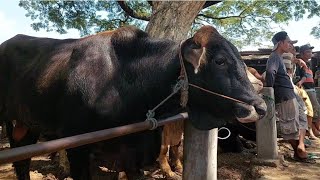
<point x="245" y="22"/>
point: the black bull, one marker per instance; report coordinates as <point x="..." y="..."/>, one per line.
<point x="72" y="86"/>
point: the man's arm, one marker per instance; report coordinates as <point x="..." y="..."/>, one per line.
<point x="303" y="76"/>
<point x="299" y="62"/>
<point x="271" y="70"/>
<point x="299" y="83"/>
<point x="255" y="73"/>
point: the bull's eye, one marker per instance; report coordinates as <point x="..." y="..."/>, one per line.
<point x="220" y="61"/>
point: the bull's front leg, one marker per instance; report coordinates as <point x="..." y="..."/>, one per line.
<point x="19" y="135"/>
<point x="79" y="162"/>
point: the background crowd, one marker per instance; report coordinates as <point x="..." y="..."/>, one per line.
<point x="289" y="72"/>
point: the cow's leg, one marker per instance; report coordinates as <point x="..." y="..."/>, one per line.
<point x="175" y="158"/>
<point x="19" y="136"/>
<point x="63" y="161"/>
<point x="22" y="169"/>
<point x="122" y="176"/>
<point x="3" y="130"/>
<point x="163" y="161"/>
<point x="79" y="163"/>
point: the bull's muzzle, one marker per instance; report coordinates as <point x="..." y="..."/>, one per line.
<point x="250" y="113"/>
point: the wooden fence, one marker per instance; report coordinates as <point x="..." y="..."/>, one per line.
<point x="200" y="147"/>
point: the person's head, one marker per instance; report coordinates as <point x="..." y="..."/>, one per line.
<point x="306" y="52"/>
<point x="282" y="43"/>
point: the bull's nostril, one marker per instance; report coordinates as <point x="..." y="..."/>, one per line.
<point x="261" y="109"/>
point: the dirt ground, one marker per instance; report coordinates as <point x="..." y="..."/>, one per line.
<point x="230" y="166"/>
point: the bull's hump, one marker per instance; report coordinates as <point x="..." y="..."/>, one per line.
<point x="103" y="34"/>
<point x="125" y="33"/>
<point x="106" y="33"/>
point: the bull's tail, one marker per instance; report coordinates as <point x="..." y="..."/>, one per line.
<point x="3" y="87"/>
<point x="4" y="75"/>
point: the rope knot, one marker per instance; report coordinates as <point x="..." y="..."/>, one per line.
<point x="153" y="122"/>
<point x="150" y="114"/>
<point x="150" y="118"/>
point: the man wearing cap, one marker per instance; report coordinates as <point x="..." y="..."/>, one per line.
<point x="296" y="61"/>
<point x="285" y="99"/>
<point x="307" y="82"/>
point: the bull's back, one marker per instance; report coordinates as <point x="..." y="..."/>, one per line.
<point x="23" y="59"/>
<point x="23" y="53"/>
<point x="40" y="73"/>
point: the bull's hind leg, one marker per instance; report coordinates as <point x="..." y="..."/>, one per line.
<point x="175" y="158"/>
<point x="19" y="136"/>
<point x="163" y="161"/>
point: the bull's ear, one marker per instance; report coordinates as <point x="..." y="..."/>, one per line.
<point x="193" y="53"/>
<point x="194" y="49"/>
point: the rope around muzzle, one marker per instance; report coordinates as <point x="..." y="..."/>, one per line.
<point x="217" y="94"/>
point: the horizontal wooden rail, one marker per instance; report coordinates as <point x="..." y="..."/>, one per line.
<point x="25" y="152"/>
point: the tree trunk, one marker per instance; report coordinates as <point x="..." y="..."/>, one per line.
<point x="173" y="19"/>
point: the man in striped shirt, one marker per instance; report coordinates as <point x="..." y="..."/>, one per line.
<point x="307" y="82"/>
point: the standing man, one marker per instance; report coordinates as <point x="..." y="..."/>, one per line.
<point x="298" y="66"/>
<point x="286" y="104"/>
<point x="308" y="84"/>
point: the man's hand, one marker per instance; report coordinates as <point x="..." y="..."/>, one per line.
<point x="301" y="63"/>
<point x="299" y="84"/>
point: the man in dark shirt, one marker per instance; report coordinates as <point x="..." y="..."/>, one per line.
<point x="286" y="103"/>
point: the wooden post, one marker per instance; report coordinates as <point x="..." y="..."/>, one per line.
<point x="266" y="130"/>
<point x="199" y="153"/>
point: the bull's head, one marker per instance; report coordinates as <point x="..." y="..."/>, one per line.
<point x="213" y="63"/>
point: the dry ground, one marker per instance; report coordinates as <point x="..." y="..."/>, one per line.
<point x="230" y="166"/>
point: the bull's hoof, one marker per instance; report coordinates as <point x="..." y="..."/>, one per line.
<point x="169" y="173"/>
<point x="249" y="145"/>
<point x="174" y="176"/>
<point x="178" y="170"/>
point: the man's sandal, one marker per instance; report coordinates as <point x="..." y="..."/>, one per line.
<point x="304" y="160"/>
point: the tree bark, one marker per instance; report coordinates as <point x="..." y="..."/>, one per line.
<point x="173" y="19"/>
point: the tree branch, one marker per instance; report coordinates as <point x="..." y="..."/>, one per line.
<point x="225" y="17"/>
<point x="209" y="3"/>
<point x="130" y="12"/>
<point x="218" y="18"/>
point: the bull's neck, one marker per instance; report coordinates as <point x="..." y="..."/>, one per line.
<point x="166" y="76"/>
<point x="171" y="69"/>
